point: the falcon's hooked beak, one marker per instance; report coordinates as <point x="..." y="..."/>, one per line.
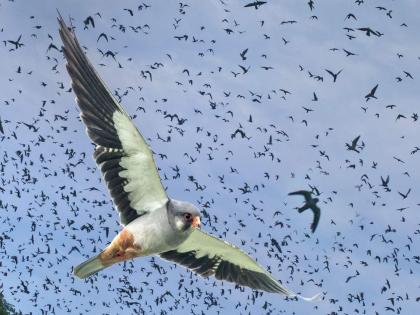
<point x="196" y="223"/>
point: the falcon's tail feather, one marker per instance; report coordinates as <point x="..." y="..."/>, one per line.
<point x="89" y="267"/>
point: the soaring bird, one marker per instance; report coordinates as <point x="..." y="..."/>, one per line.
<point x="153" y="223"/>
<point x="334" y="75"/>
<point x="371" y="94"/>
<point x="353" y="145"/>
<point x="255" y="4"/>
<point x="310" y="203"/>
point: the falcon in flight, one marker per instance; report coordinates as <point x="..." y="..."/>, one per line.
<point x="153" y="223"/>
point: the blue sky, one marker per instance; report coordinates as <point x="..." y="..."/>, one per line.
<point x="48" y="206"/>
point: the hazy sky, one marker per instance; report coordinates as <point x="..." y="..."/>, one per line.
<point x="56" y="212"/>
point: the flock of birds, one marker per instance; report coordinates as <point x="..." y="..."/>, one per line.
<point x="237" y="123"/>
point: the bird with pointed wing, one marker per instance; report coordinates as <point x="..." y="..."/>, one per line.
<point x="153" y="223"/>
<point x="353" y="146"/>
<point x="310" y="203"/>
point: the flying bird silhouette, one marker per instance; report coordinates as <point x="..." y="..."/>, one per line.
<point x="310" y="203"/>
<point x="243" y="53"/>
<point x="368" y="31"/>
<point x="334" y="75"/>
<point x="154" y="224"/>
<point x="255" y="4"/>
<point x="353" y="145"/>
<point x="371" y="94"/>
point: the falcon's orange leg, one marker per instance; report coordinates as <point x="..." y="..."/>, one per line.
<point x="121" y="248"/>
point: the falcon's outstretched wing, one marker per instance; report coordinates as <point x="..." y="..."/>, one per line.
<point x="208" y="255"/>
<point x="121" y="153"/>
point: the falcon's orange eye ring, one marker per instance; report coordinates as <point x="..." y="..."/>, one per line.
<point x="187" y="216"/>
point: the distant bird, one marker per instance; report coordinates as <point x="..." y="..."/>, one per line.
<point x="415" y="150"/>
<point x="353" y="145"/>
<point x="385" y="182"/>
<point x="87" y="21"/>
<point x="153" y="223"/>
<point x="349" y="53"/>
<point x="288" y="22"/>
<point x="311" y="4"/>
<point x="408" y="75"/>
<point x="129" y="11"/>
<point x="267" y="67"/>
<point x="350" y="15"/>
<point x="404" y="196"/>
<point x="255" y="4"/>
<point x="307" y="110"/>
<point x="244" y="70"/>
<point x="368" y="31"/>
<point x="334" y="75"/>
<point x="399" y="116"/>
<point x="398" y="159"/>
<point x="371" y="94"/>
<point x="310" y="203"/>
<point x="243" y="53"/>
<point x="17" y="42"/>
<point x="102" y="35"/>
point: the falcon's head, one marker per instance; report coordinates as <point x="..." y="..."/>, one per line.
<point x="183" y="216"/>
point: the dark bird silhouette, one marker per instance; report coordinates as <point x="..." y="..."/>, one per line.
<point x="385" y="182"/>
<point x="243" y="53"/>
<point x="350" y="16"/>
<point x="334" y="75"/>
<point x="349" y="53"/>
<point x="288" y="22"/>
<point x="353" y="145"/>
<point x="311" y="4"/>
<point x="404" y="196"/>
<point x="398" y="159"/>
<point x="102" y="35"/>
<point x="255" y="4"/>
<point x="17" y="42"/>
<point x="368" y="31"/>
<point x="408" y="75"/>
<point x="371" y="94"/>
<point x="310" y="203"/>
<point x="415" y="150"/>
<point x="129" y="11"/>
<point x="267" y="67"/>
<point x="87" y="21"/>
<point x="241" y="132"/>
<point x="307" y="110"/>
<point x="244" y="70"/>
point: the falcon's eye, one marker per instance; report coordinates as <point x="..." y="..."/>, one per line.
<point x="187" y="216"/>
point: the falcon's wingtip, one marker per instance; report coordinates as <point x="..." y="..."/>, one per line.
<point x="59" y="14"/>
<point x="60" y="19"/>
<point x="315" y="298"/>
